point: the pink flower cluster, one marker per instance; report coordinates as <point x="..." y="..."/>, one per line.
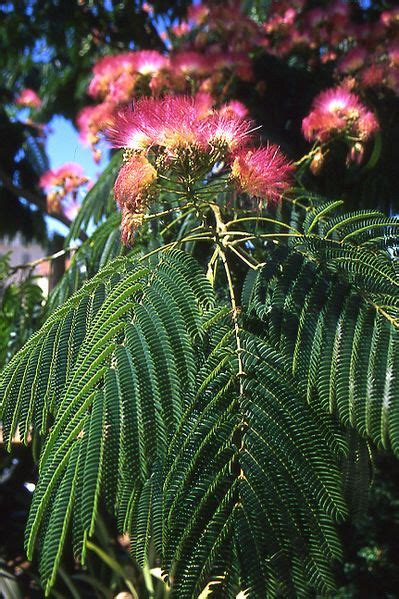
<point x="365" y="51"/>
<point x="91" y="121"/>
<point x="218" y="27"/>
<point x="61" y="186"/>
<point x="182" y="136"/>
<point x="115" y="77"/>
<point x="174" y="122"/>
<point x="28" y="98"/>
<point x="118" y="79"/>
<point x="291" y="27"/>
<point x="337" y="112"/>
<point x="262" y="172"/>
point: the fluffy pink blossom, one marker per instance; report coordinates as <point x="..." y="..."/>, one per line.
<point x="111" y="71"/>
<point x="91" y="121"/>
<point x="321" y="126"/>
<point x="176" y="121"/>
<point x="234" y="107"/>
<point x="131" y="190"/>
<point x="390" y="17"/>
<point x="67" y="175"/>
<point x="149" y="62"/>
<point x="204" y="104"/>
<point x="336" y="101"/>
<point x="372" y="75"/>
<point x="227" y="130"/>
<point x="237" y="62"/>
<point x="197" y="13"/>
<point x="115" y="76"/>
<point x="263" y="173"/>
<point x="190" y="63"/>
<point x="181" y="29"/>
<point x="62" y="184"/>
<point x="29" y="98"/>
<point x="147" y="7"/>
<point x="134" y="178"/>
<point x="132" y="126"/>
<point x="338" y="111"/>
<point x="353" y="60"/>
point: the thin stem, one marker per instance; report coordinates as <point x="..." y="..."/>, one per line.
<point x="211" y="270"/>
<point x="176" y="220"/>
<point x="159" y="214"/>
<point x="265" y="236"/>
<point x="234" y="316"/>
<point x="297" y="203"/>
<point x="262" y="219"/>
<point x="310" y="154"/>
<point x="394" y="321"/>
<point x="220" y="229"/>
<point x="242" y="257"/>
<point x="175" y="243"/>
<point x="13" y="269"/>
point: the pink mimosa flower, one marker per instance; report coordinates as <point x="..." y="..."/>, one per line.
<point x="197" y="13"/>
<point x="130" y="126"/>
<point x="108" y="70"/>
<point x="177" y="121"/>
<point x="169" y="122"/>
<point x="149" y="62"/>
<point x="181" y="29"/>
<point x="338" y="111"/>
<point x="230" y="131"/>
<point x="372" y="75"/>
<point x="147" y="8"/>
<point x="190" y="63"/>
<point x="390" y="17"/>
<point x="204" y="103"/>
<point x="115" y="76"/>
<point x="264" y="173"/>
<point x="92" y="120"/>
<point x="69" y="173"/>
<point x="28" y="98"/>
<point x="336" y="100"/>
<point x="61" y="185"/>
<point x="234" y="107"/>
<point x="353" y="61"/>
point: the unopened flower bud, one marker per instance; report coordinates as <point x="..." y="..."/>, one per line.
<point x="317" y="163"/>
<point x="355" y="154"/>
<point x="131" y="221"/>
<point x="133" y="181"/>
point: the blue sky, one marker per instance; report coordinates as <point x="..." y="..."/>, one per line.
<point x="63" y="145"/>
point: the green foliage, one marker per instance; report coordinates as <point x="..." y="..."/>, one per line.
<point x="145" y="406"/>
<point x="20" y="309"/>
<point x="94" y="253"/>
<point x="340" y="332"/>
